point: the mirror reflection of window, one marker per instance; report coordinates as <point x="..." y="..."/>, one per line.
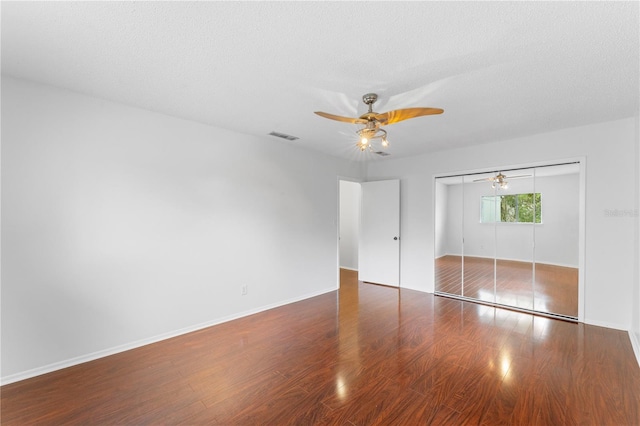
<point x="515" y="208"/>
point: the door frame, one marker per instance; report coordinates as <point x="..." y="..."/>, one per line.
<point x="337" y="222"/>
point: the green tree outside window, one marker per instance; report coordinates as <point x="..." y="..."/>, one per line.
<point x="516" y="208"/>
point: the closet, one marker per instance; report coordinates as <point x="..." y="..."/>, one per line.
<point x="510" y="238"/>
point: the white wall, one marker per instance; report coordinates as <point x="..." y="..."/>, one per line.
<point x="122" y="226"/>
<point x="610" y="251"/>
<point x="556" y="238"/>
<point x="349" y="224"/>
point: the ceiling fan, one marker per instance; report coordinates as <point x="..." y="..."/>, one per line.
<point x="373" y="121"/>
<point x="500" y="180"/>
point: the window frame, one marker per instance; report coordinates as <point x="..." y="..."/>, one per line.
<point x="497" y="212"/>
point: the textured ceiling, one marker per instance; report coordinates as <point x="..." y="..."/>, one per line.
<point x="499" y="69"/>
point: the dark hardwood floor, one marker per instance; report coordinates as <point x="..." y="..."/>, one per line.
<point x="364" y="355"/>
<point x="556" y="287"/>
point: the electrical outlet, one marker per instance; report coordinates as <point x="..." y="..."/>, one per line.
<point x="245" y="290"/>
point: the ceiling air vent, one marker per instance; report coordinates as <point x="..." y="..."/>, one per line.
<point x="284" y="136"/>
<point x="381" y="153"/>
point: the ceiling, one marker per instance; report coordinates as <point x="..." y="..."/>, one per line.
<point x="500" y="70"/>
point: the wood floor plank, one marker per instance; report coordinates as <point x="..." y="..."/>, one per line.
<point x="363" y="355"/>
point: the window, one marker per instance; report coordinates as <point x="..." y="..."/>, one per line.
<point x="516" y="208"/>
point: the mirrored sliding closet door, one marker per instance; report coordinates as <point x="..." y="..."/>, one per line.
<point x="510" y="238"/>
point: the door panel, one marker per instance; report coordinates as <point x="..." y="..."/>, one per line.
<point x="556" y="250"/>
<point x="479" y="239"/>
<point x="448" y="235"/>
<point x="515" y="240"/>
<point x="379" y="248"/>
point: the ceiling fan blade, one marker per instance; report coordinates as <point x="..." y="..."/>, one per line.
<point x="339" y="118"/>
<point x="517" y="177"/>
<point x="404" y="114"/>
<point x="489" y="179"/>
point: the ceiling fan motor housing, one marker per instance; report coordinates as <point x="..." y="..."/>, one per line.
<point x="370" y="98"/>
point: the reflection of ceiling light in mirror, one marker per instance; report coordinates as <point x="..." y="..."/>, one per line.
<point x="499" y="182"/>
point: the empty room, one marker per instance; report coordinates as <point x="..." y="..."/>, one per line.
<point x="320" y="213"/>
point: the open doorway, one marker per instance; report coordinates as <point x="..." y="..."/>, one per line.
<point x="348" y="228"/>
<point x="369" y="231"/>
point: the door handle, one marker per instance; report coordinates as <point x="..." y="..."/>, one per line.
<point x="395" y="238"/>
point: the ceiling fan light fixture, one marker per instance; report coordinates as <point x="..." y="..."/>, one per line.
<point x="368" y="134"/>
<point x="373" y="121"/>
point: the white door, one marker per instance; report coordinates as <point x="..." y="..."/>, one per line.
<point x="379" y="247"/>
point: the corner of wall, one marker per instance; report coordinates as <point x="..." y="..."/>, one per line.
<point x="635" y="344"/>
<point x="634" y="333"/>
<point x="364" y="171"/>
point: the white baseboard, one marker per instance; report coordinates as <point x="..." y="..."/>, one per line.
<point x="562" y="265"/>
<point x="635" y="344"/>
<point x="133" y="345"/>
<point x="410" y="287"/>
<point x="606" y="324"/>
